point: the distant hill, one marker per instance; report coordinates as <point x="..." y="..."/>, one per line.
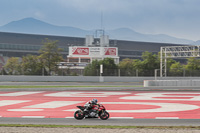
<point x="34" y="26"/>
<point x="128" y="34"/>
<point x="196" y="43"/>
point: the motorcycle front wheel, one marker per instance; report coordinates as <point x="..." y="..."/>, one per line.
<point x="104" y="115"/>
<point x="79" y="115"/>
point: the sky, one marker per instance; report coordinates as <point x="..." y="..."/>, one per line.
<point x="178" y="18"/>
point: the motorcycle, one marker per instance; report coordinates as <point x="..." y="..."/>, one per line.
<point x="95" y="112"/>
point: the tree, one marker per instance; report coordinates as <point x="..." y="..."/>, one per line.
<point x="13" y="66"/>
<point x="193" y="64"/>
<point x="170" y="62"/>
<point x="126" y="64"/>
<point x="109" y="67"/>
<point x="138" y="66"/>
<point x="176" y="69"/>
<point x="31" y="65"/>
<point x="126" y="67"/>
<point x="192" y="67"/>
<point x="93" y="69"/>
<point x="150" y="63"/>
<point x="50" y="55"/>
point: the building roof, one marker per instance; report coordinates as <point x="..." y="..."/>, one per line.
<point x="35" y="39"/>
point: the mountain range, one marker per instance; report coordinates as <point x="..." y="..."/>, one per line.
<point x="35" y="26"/>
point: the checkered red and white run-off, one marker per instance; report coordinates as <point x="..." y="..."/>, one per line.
<point x="120" y="104"/>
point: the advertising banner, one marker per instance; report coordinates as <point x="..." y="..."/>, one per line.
<point x="110" y="51"/>
<point x="93" y="52"/>
<point x="80" y="51"/>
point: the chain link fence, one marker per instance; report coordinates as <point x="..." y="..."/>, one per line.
<point x="106" y="72"/>
<point x="183" y="73"/>
<point x="119" y="72"/>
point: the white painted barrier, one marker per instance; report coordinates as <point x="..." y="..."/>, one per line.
<point x="172" y="83"/>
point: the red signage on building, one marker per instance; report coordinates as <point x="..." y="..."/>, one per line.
<point x="110" y="51"/>
<point x="80" y="51"/>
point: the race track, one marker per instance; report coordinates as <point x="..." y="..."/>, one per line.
<point x="127" y="105"/>
<point x="120" y="104"/>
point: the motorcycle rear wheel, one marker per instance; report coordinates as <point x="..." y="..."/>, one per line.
<point x="104" y="116"/>
<point x="79" y="115"/>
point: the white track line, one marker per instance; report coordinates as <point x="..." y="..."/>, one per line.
<point x="167" y="118"/>
<point x="21" y="93"/>
<point x="53" y="104"/>
<point x="69" y="117"/>
<point x="121" y="118"/>
<point x="24" y="110"/>
<point x="33" y="116"/>
<point x="11" y="102"/>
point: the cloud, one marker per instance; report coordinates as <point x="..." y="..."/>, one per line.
<point x="96" y="5"/>
<point x="39" y="14"/>
<point x="179" y="18"/>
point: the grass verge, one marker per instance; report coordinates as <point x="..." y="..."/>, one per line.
<point x="101" y="126"/>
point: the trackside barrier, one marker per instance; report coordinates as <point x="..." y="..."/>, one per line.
<point x="22" y="78"/>
<point x="8" y="78"/>
<point x="172" y="83"/>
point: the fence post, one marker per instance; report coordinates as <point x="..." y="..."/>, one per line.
<point x="136" y="72"/>
<point x="183" y="72"/>
<point x="155" y="73"/>
<point x="43" y="71"/>
<point x="101" y="69"/>
<point x="2" y="71"/>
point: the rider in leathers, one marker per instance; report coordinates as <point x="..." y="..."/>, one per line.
<point x="90" y="103"/>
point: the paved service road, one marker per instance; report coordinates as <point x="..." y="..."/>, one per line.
<point x="120" y="122"/>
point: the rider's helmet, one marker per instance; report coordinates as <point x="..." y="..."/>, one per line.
<point x="94" y="101"/>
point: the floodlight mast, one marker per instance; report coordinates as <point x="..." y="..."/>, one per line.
<point x="176" y="52"/>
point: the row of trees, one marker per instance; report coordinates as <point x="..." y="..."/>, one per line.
<point x="44" y="63"/>
<point x="126" y="67"/>
<point x="144" y="67"/>
<point x="109" y="68"/>
<point x="150" y="62"/>
<point x="49" y="55"/>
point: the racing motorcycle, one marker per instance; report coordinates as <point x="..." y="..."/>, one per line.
<point x="95" y="112"/>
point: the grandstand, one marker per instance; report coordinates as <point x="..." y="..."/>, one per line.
<point x="18" y="45"/>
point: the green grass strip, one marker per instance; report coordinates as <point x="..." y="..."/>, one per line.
<point x="100" y="126"/>
<point x="59" y="86"/>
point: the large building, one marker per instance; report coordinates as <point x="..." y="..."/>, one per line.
<point x="18" y="45"/>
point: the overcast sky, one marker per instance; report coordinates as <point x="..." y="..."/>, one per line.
<point x="178" y="18"/>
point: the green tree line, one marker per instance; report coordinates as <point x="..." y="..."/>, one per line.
<point x="43" y="64"/>
<point x="50" y="55"/>
<point x="144" y="67"/>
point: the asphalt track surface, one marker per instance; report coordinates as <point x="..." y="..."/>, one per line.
<point x="119" y="122"/>
<point x="122" y="122"/>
